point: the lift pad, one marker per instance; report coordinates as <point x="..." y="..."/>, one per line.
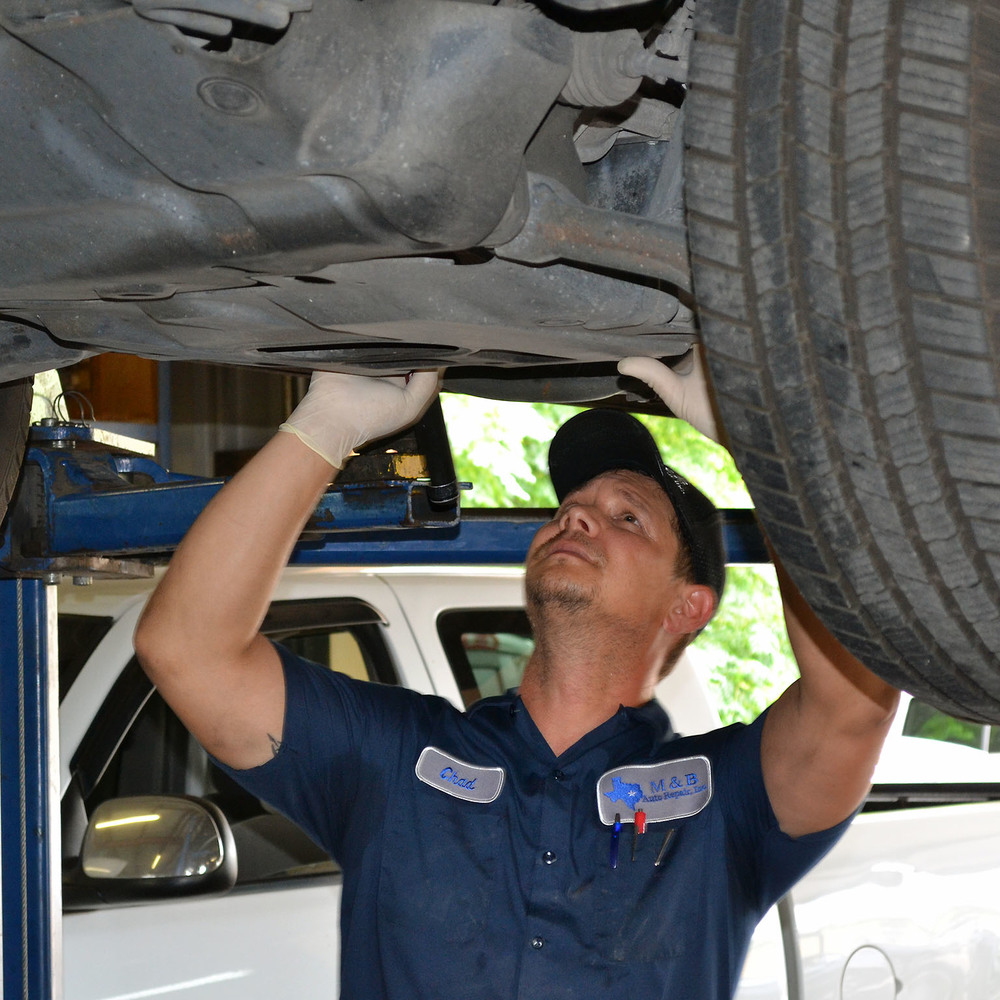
<point x="89" y="505"/>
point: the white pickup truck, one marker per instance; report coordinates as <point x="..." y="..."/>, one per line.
<point x="907" y="905"/>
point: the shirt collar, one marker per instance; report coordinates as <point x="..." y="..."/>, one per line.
<point x="650" y="719"/>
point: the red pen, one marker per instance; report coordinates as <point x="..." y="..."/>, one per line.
<point x="638" y="829"/>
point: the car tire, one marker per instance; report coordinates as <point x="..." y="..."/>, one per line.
<point x="15" y="411"/>
<point x="843" y="191"/>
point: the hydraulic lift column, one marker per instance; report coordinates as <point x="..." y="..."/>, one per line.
<point x="29" y="791"/>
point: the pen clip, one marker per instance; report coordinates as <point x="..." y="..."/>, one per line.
<point x="615" y="833"/>
<point x="663" y="847"/>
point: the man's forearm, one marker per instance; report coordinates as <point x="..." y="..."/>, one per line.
<point x="830" y="676"/>
<point x="216" y="590"/>
<point x="823" y="736"/>
<point x="198" y="638"/>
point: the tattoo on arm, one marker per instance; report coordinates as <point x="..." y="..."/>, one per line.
<point x="275" y="745"/>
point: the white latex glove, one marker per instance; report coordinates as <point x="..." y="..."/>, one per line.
<point x="687" y="395"/>
<point x="215" y="17"/>
<point x="341" y="412"/>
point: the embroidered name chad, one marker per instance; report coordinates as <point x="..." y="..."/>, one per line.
<point x="457" y="777"/>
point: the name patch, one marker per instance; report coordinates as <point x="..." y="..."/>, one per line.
<point x="458" y="777"/>
<point x="671" y="789"/>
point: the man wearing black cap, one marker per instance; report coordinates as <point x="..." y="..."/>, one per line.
<point x="488" y="854"/>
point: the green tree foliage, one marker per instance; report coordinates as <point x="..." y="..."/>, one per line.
<point x="931" y="724"/>
<point x="745" y="648"/>
<point x="501" y="449"/>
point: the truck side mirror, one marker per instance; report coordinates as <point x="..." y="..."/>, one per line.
<point x="148" y="847"/>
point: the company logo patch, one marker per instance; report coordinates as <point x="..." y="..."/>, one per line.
<point x="671" y="789"/>
<point x="458" y="777"/>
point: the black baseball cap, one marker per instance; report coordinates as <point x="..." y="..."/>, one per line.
<point x="597" y="441"/>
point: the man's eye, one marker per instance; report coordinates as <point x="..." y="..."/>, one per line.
<point x="630" y="517"/>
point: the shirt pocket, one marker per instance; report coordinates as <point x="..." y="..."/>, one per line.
<point x="637" y="902"/>
<point x="440" y="869"/>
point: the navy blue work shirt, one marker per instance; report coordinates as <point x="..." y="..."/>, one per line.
<point x="447" y="898"/>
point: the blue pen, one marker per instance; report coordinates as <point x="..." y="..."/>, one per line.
<point x="614" y="840"/>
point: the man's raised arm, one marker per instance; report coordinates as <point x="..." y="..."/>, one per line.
<point x="198" y="637"/>
<point x="823" y="736"/>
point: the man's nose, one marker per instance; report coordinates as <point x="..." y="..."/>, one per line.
<point x="579" y="517"/>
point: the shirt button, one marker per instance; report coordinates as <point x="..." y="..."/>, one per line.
<point x="559" y="775"/>
<point x="537" y="942"/>
<point x="549" y="858"/>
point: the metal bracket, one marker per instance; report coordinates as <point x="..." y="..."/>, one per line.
<point x="88" y="505"/>
<point x="561" y="227"/>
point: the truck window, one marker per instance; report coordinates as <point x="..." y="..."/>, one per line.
<point x="138" y="746"/>
<point x="341" y="633"/>
<point x="487" y="649"/>
<point x="929" y="723"/>
<point x="78" y="636"/>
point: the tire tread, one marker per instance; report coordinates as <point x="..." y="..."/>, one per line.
<point x="884" y="420"/>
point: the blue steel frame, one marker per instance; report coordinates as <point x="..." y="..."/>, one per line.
<point x="28" y="818"/>
<point x="87" y="505"/>
<point x="495" y="537"/>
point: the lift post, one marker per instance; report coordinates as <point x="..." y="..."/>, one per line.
<point x="29" y="793"/>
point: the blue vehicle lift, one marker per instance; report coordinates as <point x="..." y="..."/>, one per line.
<point x="88" y="505"/>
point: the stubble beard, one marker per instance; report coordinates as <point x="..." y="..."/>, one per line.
<point x="544" y="593"/>
<point x="554" y="598"/>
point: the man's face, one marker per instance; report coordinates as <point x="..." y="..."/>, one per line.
<point x="611" y="549"/>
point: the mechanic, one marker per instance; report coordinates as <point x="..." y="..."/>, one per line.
<point x="556" y="841"/>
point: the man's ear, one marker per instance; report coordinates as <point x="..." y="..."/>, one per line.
<point x="691" y="610"/>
